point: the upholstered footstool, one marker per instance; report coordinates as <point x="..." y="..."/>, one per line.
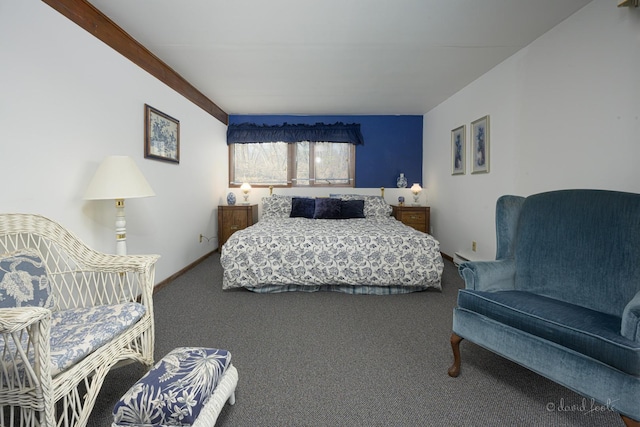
<point x="188" y="387"/>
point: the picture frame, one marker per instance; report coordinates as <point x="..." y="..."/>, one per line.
<point x="161" y="136"/>
<point x="458" y="151"/>
<point x="480" y="143"/>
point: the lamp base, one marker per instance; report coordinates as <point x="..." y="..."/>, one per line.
<point x="121" y="228"/>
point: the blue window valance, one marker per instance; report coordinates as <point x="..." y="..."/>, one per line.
<point x="245" y="133"/>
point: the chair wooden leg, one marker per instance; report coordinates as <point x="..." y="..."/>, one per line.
<point x="629" y="422"/>
<point x="454" y="370"/>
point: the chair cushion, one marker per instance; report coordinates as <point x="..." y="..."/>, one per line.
<point x="586" y="331"/>
<point x="175" y="390"/>
<point x="588" y="243"/>
<point x="77" y="332"/>
<point x="24" y="281"/>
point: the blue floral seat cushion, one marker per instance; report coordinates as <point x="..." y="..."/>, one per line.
<point x="174" y="392"/>
<point x="76" y="333"/>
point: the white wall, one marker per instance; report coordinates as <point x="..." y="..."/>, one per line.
<point x="67" y="101"/>
<point x="564" y="113"/>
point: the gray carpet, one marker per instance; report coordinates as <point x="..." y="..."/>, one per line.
<point x="332" y="359"/>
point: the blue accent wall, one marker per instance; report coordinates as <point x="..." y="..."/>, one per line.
<point x="392" y="144"/>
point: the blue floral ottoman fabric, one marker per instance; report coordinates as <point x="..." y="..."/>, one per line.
<point x="175" y="390"/>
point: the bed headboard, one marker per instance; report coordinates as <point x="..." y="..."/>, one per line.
<point x="381" y="191"/>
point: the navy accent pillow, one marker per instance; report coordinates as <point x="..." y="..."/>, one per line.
<point x="327" y="208"/>
<point x="351" y="209"/>
<point x="302" y="207"/>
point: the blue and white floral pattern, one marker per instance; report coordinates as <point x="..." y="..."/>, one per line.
<point x="76" y="333"/>
<point x="175" y="390"/>
<point x="24" y="281"/>
<point x="369" y="254"/>
<point x="276" y="206"/>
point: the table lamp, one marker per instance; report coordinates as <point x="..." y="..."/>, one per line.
<point x="416" y="189"/>
<point x="118" y="178"/>
<point x="246" y="187"/>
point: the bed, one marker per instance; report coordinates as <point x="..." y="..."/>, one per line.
<point x="345" y="243"/>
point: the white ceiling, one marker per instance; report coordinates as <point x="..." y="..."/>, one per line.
<point x="340" y="57"/>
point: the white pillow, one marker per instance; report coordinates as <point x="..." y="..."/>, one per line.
<point x="276" y="206"/>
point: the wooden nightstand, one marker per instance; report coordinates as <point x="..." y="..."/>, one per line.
<point x="413" y="216"/>
<point x="233" y="218"/>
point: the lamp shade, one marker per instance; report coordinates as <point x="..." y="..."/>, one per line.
<point x="118" y="177"/>
<point x="415" y="188"/>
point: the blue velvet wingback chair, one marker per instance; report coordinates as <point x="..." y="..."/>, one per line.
<point x="562" y="297"/>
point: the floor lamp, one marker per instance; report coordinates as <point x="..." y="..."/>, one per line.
<point x="118" y="178"/>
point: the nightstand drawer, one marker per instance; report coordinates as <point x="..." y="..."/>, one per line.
<point x="413" y="216"/>
<point x="234" y="218"/>
<point x="420" y="226"/>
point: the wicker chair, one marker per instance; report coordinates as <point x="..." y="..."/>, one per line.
<point x="79" y="277"/>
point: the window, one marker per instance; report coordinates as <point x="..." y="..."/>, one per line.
<point x="292" y="164"/>
<point x="299" y="155"/>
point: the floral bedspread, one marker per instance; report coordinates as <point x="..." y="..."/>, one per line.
<point x="364" y="255"/>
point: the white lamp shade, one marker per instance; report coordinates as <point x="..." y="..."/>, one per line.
<point x="415" y="188"/>
<point x="118" y="177"/>
<point x="245" y="187"/>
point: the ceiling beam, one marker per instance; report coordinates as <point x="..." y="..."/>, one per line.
<point x="95" y="22"/>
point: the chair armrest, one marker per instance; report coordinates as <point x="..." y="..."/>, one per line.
<point x="25" y="348"/>
<point x="489" y="275"/>
<point x="15" y="319"/>
<point x="630" y="327"/>
<point x="98" y="261"/>
<point x="142" y="265"/>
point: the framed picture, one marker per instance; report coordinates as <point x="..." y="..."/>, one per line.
<point x="161" y="136"/>
<point x="480" y="145"/>
<point x="458" y="152"/>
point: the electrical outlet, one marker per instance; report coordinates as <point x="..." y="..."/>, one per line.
<point x="201" y="238"/>
<point x="474" y="246"/>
